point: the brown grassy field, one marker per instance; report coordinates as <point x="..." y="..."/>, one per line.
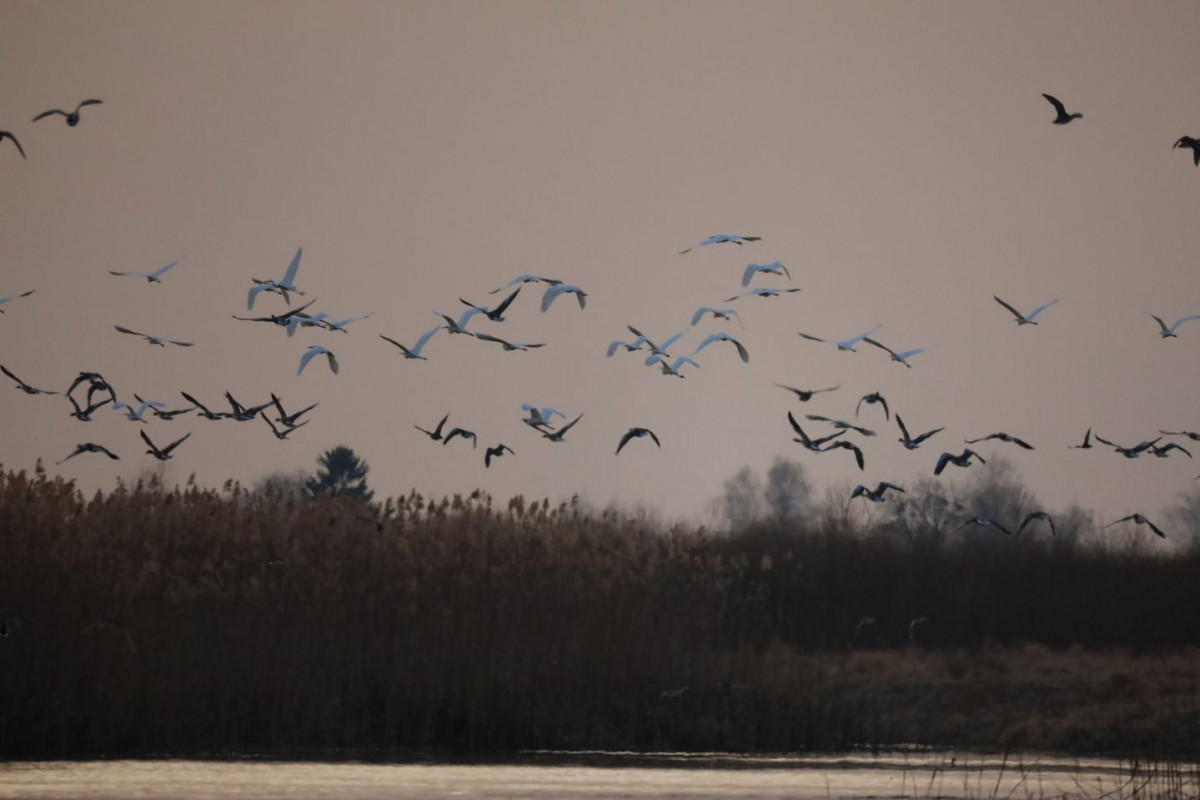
<point x="189" y="621"/>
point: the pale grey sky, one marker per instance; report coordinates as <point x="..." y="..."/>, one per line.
<point x="898" y="158"/>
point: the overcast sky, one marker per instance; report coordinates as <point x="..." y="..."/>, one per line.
<point x="897" y="157"/>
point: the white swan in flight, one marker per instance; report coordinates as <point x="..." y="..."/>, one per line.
<point x="151" y="277"/>
<point x="161" y="341"/>
<point x="1168" y="332"/>
<point x="4" y="300"/>
<point x="718" y="313"/>
<point x="899" y="357"/>
<point x="1025" y="319"/>
<point x="136" y="415"/>
<point x="313" y="352"/>
<point x="842" y="344"/>
<point x="724" y="337"/>
<point x="282" y="286"/>
<point x="656" y="350"/>
<point x="722" y="238"/>
<point x="415" y="351"/>
<point x="540" y="417"/>
<point x="522" y="279"/>
<point x="563" y="288"/>
<point x="773" y="268"/>
<point x="765" y="291"/>
<point x="672" y="368"/>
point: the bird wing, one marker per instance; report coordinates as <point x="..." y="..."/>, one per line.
<point x="146" y="439"/>
<point x="813" y="338"/>
<point x="506" y="302"/>
<point x="1181" y="320"/>
<point x="625" y="437"/>
<point x="943" y="459"/>
<point x="568" y="426"/>
<point x="88" y="103"/>
<point x="402" y="347"/>
<point x="653" y="436"/>
<point x="551" y="293"/>
<point x="880" y="345"/>
<point x="134" y="333"/>
<point x="308" y="356"/>
<point x="1040" y="309"/>
<point x="289" y="275"/>
<point x="1014" y="312"/>
<point x="1162" y="325"/>
<point x="903" y="429"/>
<point x="14" y="377"/>
<point x="927" y="434"/>
<point x="158" y="272"/>
<point x="21" y="150"/>
<point x="749" y="273"/>
<point x="1054" y="101"/>
<point x="1154" y="528"/>
<point x="416" y="349"/>
<point x="50" y="112"/>
<point x="796" y="427"/>
<point x="858" y="454"/>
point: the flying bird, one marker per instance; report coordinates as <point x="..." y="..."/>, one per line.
<point x="655" y="349"/>
<point x="6" y="135"/>
<point x="901" y="357"/>
<point x="1004" y="437"/>
<point x="1129" y="452"/>
<point x="1140" y="520"/>
<point x="557" y="436"/>
<point x="90" y="447"/>
<point x="243" y="413"/>
<point x="844" y="344"/>
<point x="161" y="341"/>
<point x="203" y="410"/>
<point x="908" y="441"/>
<point x="636" y="433"/>
<point x="963" y="459"/>
<point x="875" y="495"/>
<point x="464" y="433"/>
<point x="436" y="433"/>
<point x="1087" y="441"/>
<point x="1184" y="141"/>
<point x="764" y="291"/>
<point x="1168" y="332"/>
<point x="85" y="414"/>
<point x="289" y="420"/>
<point x="96" y="383"/>
<point x="725" y="337"/>
<point x="495" y="452"/>
<point x="509" y="346"/>
<point x="314" y="351"/>
<point x="851" y="446"/>
<point x="523" y="279"/>
<point x="804" y="395"/>
<point x="630" y="347"/>
<point x="1025" y="319"/>
<point x="160" y="413"/>
<point x="459" y="326"/>
<point x="872" y="399"/>
<point x="563" y="288"/>
<point x="72" y="117"/>
<point x="985" y="522"/>
<point x="540" y="417"/>
<point x="287" y="430"/>
<point x="722" y="238"/>
<point x="494" y="314"/>
<point x="415" y="351"/>
<point x="673" y="367"/>
<point x="1193" y="435"/>
<point x="4" y="300"/>
<point x="1165" y="450"/>
<point x="1063" y="117"/>
<point x="773" y="268"/>
<point x="282" y="286"/>
<point x="136" y="415"/>
<point x="151" y="277"/>
<point x="810" y="443"/>
<point x="285" y="319"/>
<point x="340" y="325"/>
<point x="1032" y="515"/>
<point x="840" y="423"/>
<point x="718" y="313"/>
<point x="22" y="385"/>
<point x="162" y="453"/>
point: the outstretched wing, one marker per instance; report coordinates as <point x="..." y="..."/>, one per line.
<point x="45" y="114"/>
<point x="1040" y="309"/>
<point x="1012" y="310"/>
<point x="1058" y="106"/>
<point x="21" y="150"/>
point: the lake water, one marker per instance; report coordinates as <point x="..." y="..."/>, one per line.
<point x="590" y="776"/>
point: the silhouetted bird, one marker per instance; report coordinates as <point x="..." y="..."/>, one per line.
<point x="151" y="277"/>
<point x="22" y="385"/>
<point x="1184" y="141"/>
<point x="90" y="447"/>
<point x="840" y="424"/>
<point x="804" y="395"/>
<point x="871" y="399"/>
<point x="875" y="495"/>
<point x="162" y="453"/>
<point x="852" y="447"/>
<point x="986" y="522"/>
<point x="6" y="135"/>
<point x="1140" y="520"/>
<point x="1032" y="515"/>
<point x="1025" y="319"/>
<point x="636" y="433"/>
<point x="72" y="117"/>
<point x="811" y="444"/>
<point x="494" y="314"/>
<point x="722" y="238"/>
<point x="161" y="341"/>
<point x="11" y="297"/>
<point x="901" y="357"/>
<point x="464" y="433"/>
<point x="436" y="433"/>
<point x="963" y="459"/>
<point x="1087" y="441"/>
<point x="1004" y="437"/>
<point x="557" y="436"/>
<point x="908" y="441"/>
<point x="1063" y="117"/>
<point x="495" y="452"/>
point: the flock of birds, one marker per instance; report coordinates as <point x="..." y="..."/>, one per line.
<point x="90" y="391"/>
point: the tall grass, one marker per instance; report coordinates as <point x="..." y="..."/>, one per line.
<point x="197" y="620"/>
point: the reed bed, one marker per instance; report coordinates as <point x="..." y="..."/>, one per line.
<point x="189" y="620"/>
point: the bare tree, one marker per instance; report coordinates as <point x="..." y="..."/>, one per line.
<point x="788" y="492"/>
<point x="741" y="501"/>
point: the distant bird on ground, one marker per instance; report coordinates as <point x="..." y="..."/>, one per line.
<point x="636" y="433"/>
<point x="1168" y="332"/>
<point x="1087" y="441"/>
<point x="494" y="314"/>
<point x="718" y="313"/>
<point x="844" y="344"/>
<point x="1165" y="450"/>
<point x="6" y="135"/>
<point x="809" y="443"/>
<point x="495" y="452"/>
<point x="509" y="346"/>
<point x="901" y="357"/>
<point x="722" y="238"/>
<point x="804" y="395"/>
<point x="1184" y="141"/>
<point x="875" y="495"/>
<point x="540" y="417"/>
<point x="282" y="286"/>
<point x="563" y="288"/>
<point x="464" y="433"/>
<point x="672" y="368"/>
<point x="136" y="415"/>
<point x="963" y="459"/>
<point x="436" y="433"/>
<point x="1129" y="452"/>
<point x="1063" y="117"/>
<point x="151" y="277"/>
<point x="908" y="441"/>
<point x="986" y="522"/>
<point x="872" y="399"/>
<point x="523" y="279"/>
<point x="72" y="117"/>
<point x="4" y="300"/>
<point x="1032" y="515"/>
<point x="557" y="436"/>
<point x="1140" y="520"/>
<point x="1004" y="437"/>
<point x="724" y="337"/>
<point x="89" y="447"/>
<point x="287" y="430"/>
<point x="161" y="341"/>
<point x="85" y="414"/>
<point x="764" y="291"/>
<point x="289" y="420"/>
<point x="840" y="423"/>
<point x="1025" y="319"/>
<point x="163" y="453"/>
<point x="858" y="453"/>
<point x="204" y="412"/>
<point x="773" y="268"/>
<point x="22" y="385"/>
<point x="314" y="351"/>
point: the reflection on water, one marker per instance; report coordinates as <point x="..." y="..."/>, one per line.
<point x="589" y="776"/>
